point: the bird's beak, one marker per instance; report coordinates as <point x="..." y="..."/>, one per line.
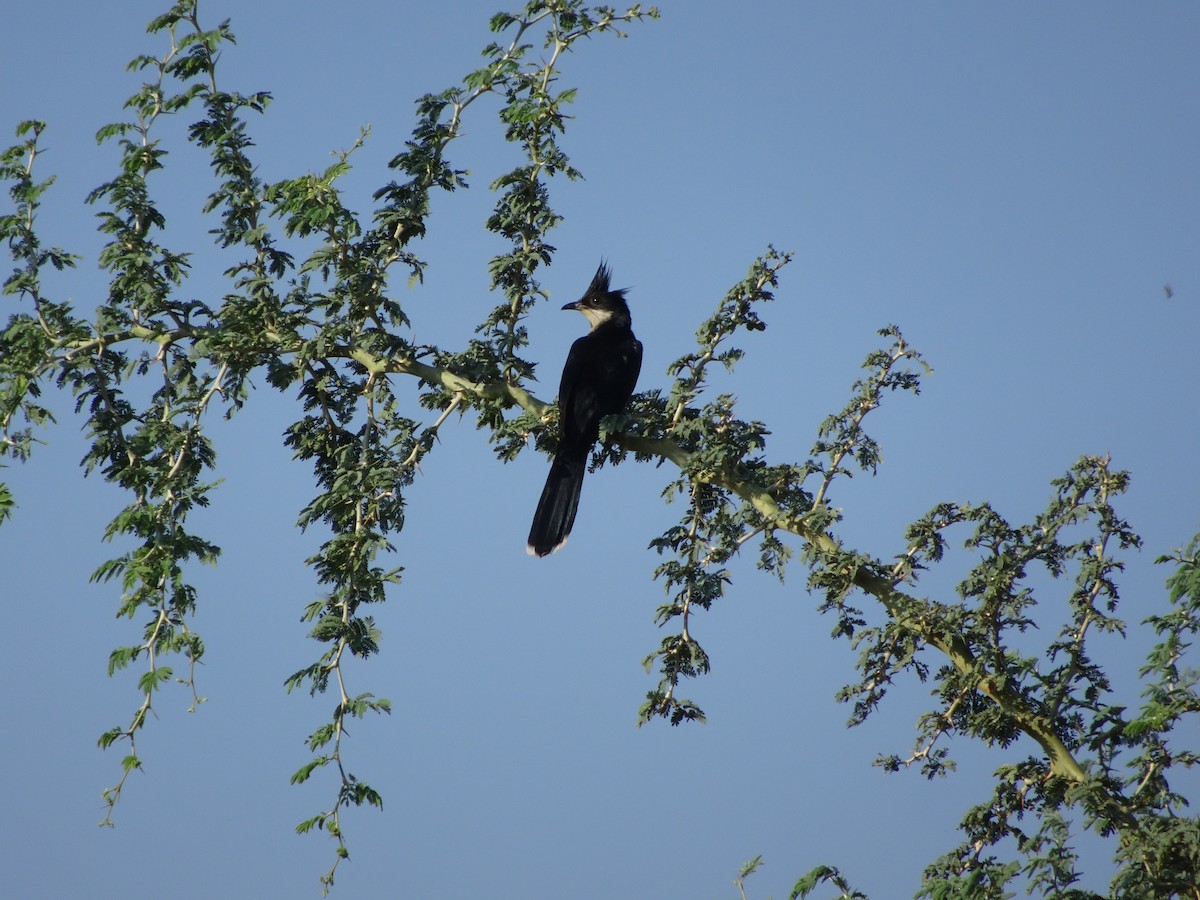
<point x="572" y="305"/>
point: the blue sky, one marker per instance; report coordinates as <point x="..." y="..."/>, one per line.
<point x="1013" y="184"/>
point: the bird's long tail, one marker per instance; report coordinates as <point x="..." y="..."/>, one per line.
<point x="556" y="509"/>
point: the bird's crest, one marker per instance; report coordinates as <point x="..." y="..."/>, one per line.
<point x="601" y="280"/>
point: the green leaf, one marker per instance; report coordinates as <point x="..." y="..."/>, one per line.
<point x="302" y="774"/>
<point x="151" y="680"/>
<point x="307" y="825"/>
<point x="110" y="737"/>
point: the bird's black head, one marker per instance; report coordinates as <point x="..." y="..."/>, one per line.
<point x="600" y="303"/>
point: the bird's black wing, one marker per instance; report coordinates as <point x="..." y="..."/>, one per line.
<point x="598" y="380"/>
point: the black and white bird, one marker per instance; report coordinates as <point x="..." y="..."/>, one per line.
<point x="597" y="381"/>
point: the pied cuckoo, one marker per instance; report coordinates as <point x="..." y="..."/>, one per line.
<point x="597" y="380"/>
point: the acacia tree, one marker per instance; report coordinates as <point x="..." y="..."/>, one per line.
<point x="309" y="308"/>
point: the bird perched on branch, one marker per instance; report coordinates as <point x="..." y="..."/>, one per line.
<point x="597" y="381"/>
